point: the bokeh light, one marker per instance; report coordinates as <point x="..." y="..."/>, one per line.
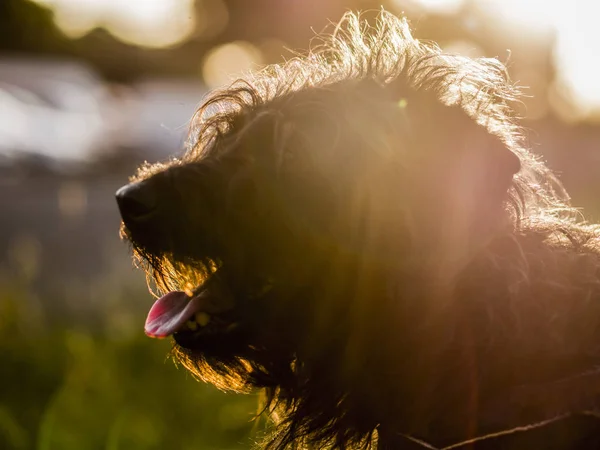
<point x="151" y="23"/>
<point x="577" y="49"/>
<point x="437" y="6"/>
<point x="226" y="62"/>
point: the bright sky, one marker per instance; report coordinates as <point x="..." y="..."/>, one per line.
<point x="577" y="48"/>
<point x="159" y="23"/>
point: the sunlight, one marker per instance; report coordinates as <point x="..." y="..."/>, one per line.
<point x="577" y="40"/>
<point x="577" y="37"/>
<point x="536" y="14"/>
<point x="162" y="23"/>
<point x="576" y="51"/>
<point x="151" y="23"/>
<point x="440" y="6"/>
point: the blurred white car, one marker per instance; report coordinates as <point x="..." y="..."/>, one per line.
<point x="53" y="108"/>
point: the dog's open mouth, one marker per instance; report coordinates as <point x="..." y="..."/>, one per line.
<point x="210" y="309"/>
<point x="177" y="311"/>
<point x="204" y="310"/>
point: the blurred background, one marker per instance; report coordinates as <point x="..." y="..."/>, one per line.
<point x="91" y="88"/>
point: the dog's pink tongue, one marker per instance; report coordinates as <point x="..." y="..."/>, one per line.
<point x="169" y="313"/>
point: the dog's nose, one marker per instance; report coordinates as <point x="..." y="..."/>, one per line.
<point x="137" y="201"/>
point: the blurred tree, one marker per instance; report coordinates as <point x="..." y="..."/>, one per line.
<point x="28" y="27"/>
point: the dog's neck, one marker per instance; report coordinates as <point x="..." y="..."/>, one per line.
<point x="504" y="319"/>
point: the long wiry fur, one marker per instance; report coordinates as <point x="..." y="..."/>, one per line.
<point x="424" y="331"/>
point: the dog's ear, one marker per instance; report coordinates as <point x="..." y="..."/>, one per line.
<point x="461" y="179"/>
<point x="465" y="153"/>
<point x="492" y="164"/>
<point x="507" y="163"/>
<point x="447" y="139"/>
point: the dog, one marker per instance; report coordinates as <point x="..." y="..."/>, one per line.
<point x="362" y="234"/>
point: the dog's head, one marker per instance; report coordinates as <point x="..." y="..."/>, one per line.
<point x="319" y="201"/>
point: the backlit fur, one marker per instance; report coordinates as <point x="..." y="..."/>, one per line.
<point x="422" y="264"/>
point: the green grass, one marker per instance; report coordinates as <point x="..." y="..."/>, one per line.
<point x="65" y="387"/>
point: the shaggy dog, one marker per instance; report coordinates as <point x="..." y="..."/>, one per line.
<point x="362" y="234"/>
